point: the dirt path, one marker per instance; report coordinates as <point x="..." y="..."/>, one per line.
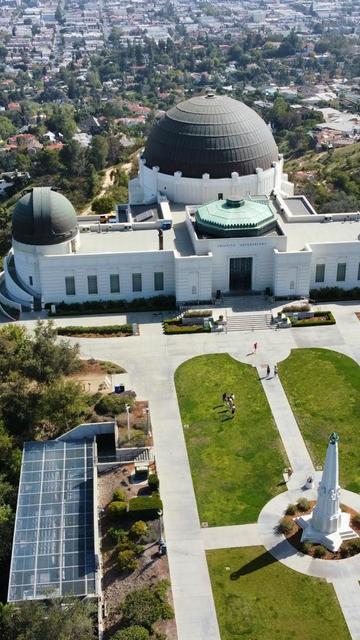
<point x="107" y="182"/>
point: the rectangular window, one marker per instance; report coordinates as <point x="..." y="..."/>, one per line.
<point x="92" y="284"/>
<point x="70" y="285"/>
<point x="30" y="280"/>
<point x="136" y="282"/>
<point x="358" y="272"/>
<point x="341" y="272"/>
<point x="320" y="273"/>
<point x="114" y="283"/>
<point x="159" y="281"/>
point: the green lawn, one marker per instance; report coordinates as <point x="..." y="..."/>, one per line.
<point x="261" y="599"/>
<point x="236" y="463"/>
<point x="323" y="388"/>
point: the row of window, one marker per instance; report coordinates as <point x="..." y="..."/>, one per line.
<point x="340" y="272"/>
<point x="92" y="282"/>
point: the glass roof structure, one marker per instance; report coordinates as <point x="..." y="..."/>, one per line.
<point x="53" y="549"/>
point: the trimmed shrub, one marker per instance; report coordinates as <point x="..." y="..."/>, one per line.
<point x="127" y="560"/>
<point x="318" y="320"/>
<point x="286" y="525"/>
<point x="145" y="606"/>
<point x="303" y="504"/>
<point x="320" y="551"/>
<point x="291" y="510"/>
<point x="155" y="303"/>
<point x="153" y="482"/>
<point x="146" y="507"/>
<point x="173" y="329"/>
<point x="305" y="547"/>
<point x="198" y="313"/>
<point x="353" y="547"/>
<point x="116" y="510"/>
<point x="129" y="545"/>
<point x="135" y="632"/>
<point x="113" y="404"/>
<point x="138" y="530"/>
<point x="117" y="535"/>
<point x="119" y="495"/>
<point x="296" y="307"/>
<point x="104" y="330"/>
<point x="335" y="293"/>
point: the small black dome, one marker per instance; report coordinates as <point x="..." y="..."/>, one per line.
<point x="211" y="134"/>
<point x="43" y="217"/>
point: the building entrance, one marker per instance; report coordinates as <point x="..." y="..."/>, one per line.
<point x="240" y="274"/>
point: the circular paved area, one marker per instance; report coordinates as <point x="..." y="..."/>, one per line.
<point x="283" y="551"/>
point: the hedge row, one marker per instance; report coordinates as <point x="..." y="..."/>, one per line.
<point x="105" y="330"/>
<point x="313" y="322"/>
<point x="171" y="329"/>
<point x="146" y="507"/>
<point x="156" y="303"/>
<point x="335" y="293"/>
<point x="198" y="313"/>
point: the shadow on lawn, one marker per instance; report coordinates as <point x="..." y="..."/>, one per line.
<point x="260" y="562"/>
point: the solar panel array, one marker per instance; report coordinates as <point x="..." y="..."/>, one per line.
<point x="53" y="550"/>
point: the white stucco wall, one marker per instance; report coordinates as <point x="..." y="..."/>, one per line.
<point x="292" y="273"/>
<point x="193" y="277"/>
<point x="179" y="189"/>
<point x="54" y="269"/>
<point x="331" y="254"/>
<point x="27" y="260"/>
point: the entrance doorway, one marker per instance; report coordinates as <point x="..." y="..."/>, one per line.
<point x="240" y="274"/>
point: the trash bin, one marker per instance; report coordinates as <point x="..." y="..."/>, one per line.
<point x="117" y="388"/>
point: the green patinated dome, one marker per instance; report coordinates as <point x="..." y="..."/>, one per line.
<point x="43" y="217"/>
<point x="237" y="217"/>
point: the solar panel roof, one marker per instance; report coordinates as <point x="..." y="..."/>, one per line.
<point x="53" y="550"/>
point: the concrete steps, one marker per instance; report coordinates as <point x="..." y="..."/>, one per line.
<point x="249" y="322"/>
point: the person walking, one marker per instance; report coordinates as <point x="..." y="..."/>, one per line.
<point x="255" y="346"/>
<point x="233" y="409"/>
<point x="224" y="397"/>
<point x="268" y="370"/>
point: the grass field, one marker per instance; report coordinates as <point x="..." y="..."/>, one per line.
<point x="260" y="599"/>
<point x="323" y="388"/>
<point x="236" y="463"/>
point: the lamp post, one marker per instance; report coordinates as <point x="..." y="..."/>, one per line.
<point x="147" y="411"/>
<point x="161" y="540"/>
<point x="127" y="409"/>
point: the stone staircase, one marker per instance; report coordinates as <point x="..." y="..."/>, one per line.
<point x="249" y="322"/>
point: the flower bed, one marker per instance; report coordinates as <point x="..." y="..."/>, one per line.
<point x="109" y="331"/>
<point x="319" y="318"/>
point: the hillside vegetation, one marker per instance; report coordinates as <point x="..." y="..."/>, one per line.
<point x="331" y="180"/>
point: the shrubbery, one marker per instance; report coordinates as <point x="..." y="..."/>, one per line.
<point x="116" y="509"/>
<point x="198" y="313"/>
<point x="352" y="548"/>
<point x="112" y="404"/>
<point x="119" y="495"/>
<point x="303" y="504"/>
<point x="105" y="330"/>
<point x="155" y="303"/>
<point x="153" y="482"/>
<point x="145" y="606"/>
<point x="286" y="525"/>
<point x="138" y="530"/>
<point x="117" y="535"/>
<point x="145" y="506"/>
<point x="356" y="520"/>
<point x="172" y="328"/>
<point x="317" y="320"/>
<point x="135" y="632"/>
<point x="320" y="551"/>
<point x="291" y="510"/>
<point x="335" y="293"/>
<point x="127" y="560"/>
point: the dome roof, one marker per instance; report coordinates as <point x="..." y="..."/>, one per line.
<point x="236" y="217"/>
<point x="211" y="134"/>
<point x="43" y="217"/>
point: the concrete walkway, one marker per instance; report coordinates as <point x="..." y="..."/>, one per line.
<point x="348" y="595"/>
<point x="242" y="535"/>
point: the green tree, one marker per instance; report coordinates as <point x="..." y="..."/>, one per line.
<point x="63" y="404"/>
<point x="99" y="152"/>
<point x="73" y="157"/>
<point x="61" y="619"/>
<point x="103" y="205"/>
<point x="50" y="359"/>
<point x="145" y="606"/>
<point x="135" y="632"/>
<point x="6" y="128"/>
<point x="92" y="180"/>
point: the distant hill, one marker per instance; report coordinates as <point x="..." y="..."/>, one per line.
<point x="330" y="180"/>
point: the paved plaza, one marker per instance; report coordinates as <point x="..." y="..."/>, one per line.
<point x="151" y="360"/>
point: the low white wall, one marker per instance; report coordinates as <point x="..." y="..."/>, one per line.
<point x="14" y="289"/>
<point x="292" y="273"/>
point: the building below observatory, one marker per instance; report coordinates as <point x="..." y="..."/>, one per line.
<point x="210" y="211"/>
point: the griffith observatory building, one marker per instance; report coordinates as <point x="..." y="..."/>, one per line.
<point x="210" y="211"/>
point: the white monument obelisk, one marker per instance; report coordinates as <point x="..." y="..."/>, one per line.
<point x="327" y="524"/>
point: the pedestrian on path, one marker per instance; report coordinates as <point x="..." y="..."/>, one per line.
<point x="233" y="409"/>
<point x="275" y="371"/>
<point x="255" y="346"/>
<point x="268" y="370"/>
<point x="224" y="397"/>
